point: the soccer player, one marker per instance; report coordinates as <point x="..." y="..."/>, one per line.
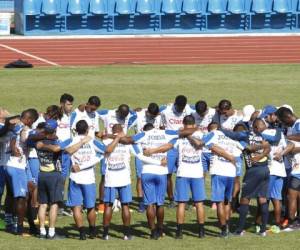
<point x="82" y="187"/>
<point x="16" y="167"/>
<point x="117" y="180"/>
<point x="172" y="117"/>
<point x="88" y="112"/>
<point x="289" y="119"/>
<point x="144" y="116"/>
<point x="228" y="117"/>
<point x="268" y="114"/>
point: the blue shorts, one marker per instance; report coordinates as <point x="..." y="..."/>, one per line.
<point x="239" y="166"/>
<point x="154" y="187"/>
<point x="206" y="157"/>
<point x="102" y="167"/>
<point x="138" y="167"/>
<point x="2" y="180"/>
<point x="81" y="194"/>
<point x="65" y="164"/>
<point x="183" y="187"/>
<point x="221" y="188"/>
<point x="17" y="179"/>
<point x="124" y="193"/>
<point x="275" y="187"/>
<point x="172" y="157"/>
<point x="34" y="167"/>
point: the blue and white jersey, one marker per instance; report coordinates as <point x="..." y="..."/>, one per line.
<point x="21" y="134"/>
<point x="231" y="121"/>
<point x="117" y="164"/>
<point x="219" y="165"/>
<point x="92" y="120"/>
<point x="152" y="139"/>
<point x="171" y="119"/>
<point x="295" y="161"/>
<point x="110" y="118"/>
<point x="189" y="159"/>
<point x="276" y="168"/>
<point x="86" y="157"/>
<point x="202" y="122"/>
<point x="5" y="147"/>
<point x="63" y="131"/>
<point x="143" y="119"/>
<point x="32" y="150"/>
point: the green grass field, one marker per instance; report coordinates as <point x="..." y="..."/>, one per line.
<point x="137" y="86"/>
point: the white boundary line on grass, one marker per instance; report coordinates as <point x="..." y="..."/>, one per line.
<point x="17" y="37"/>
<point x="29" y="55"/>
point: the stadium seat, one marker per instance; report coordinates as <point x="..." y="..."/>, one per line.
<point x="191" y="6"/>
<point x="145" y="6"/>
<point x="76" y="7"/>
<point x="170" y="7"/>
<point x="282" y="6"/>
<point x="217" y="6"/>
<point x="261" y="6"/>
<point x="98" y="7"/>
<point x="50" y="7"/>
<point x="237" y="6"/>
<point x="123" y="7"/>
<point x="32" y="7"/>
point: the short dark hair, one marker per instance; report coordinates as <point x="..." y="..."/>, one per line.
<point x="33" y="114"/>
<point x="82" y="127"/>
<point x="213" y="123"/>
<point x="94" y="100"/>
<point x="148" y="126"/>
<point x="201" y="107"/>
<point x="181" y="101"/>
<point x="153" y="109"/>
<point x="188" y="120"/>
<point x="66" y="98"/>
<point x="54" y="112"/>
<point x="41" y="125"/>
<point x="283" y="112"/>
<point x="117" y="127"/>
<point x="224" y="105"/>
<point x="123" y="108"/>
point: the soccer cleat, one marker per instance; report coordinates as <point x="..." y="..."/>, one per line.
<point x="179" y="235"/>
<point x="128" y="237"/>
<point x="274" y="229"/>
<point x="223" y="234"/>
<point x="100" y="208"/>
<point x="154" y="235"/>
<point x="238" y="233"/>
<point x="141" y="208"/>
<point x="42" y="236"/>
<point x="262" y="234"/>
<point x="201" y="233"/>
<point x="82" y="236"/>
<point x="257" y="229"/>
<point x="92" y="233"/>
<point x="105" y="237"/>
<point x="172" y="204"/>
<point x="56" y="237"/>
<point x="292" y="227"/>
<point x="284" y="223"/>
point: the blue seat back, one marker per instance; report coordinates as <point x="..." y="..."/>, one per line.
<point x="237" y="6"/>
<point x="77" y="7"/>
<point x="98" y="7"/>
<point x="282" y="6"/>
<point x="50" y="7"/>
<point x="261" y="6"/>
<point x="191" y="6"/>
<point x="32" y="7"/>
<point x="170" y="7"/>
<point x="123" y="7"/>
<point x="217" y="6"/>
<point x="145" y="6"/>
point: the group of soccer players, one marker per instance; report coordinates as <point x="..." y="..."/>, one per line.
<point x="41" y="151"/>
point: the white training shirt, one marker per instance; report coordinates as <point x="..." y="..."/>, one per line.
<point x="152" y="139"/>
<point x="63" y="131"/>
<point x="202" y="122"/>
<point x="295" y="130"/>
<point x="231" y="121"/>
<point x="143" y="119"/>
<point x="5" y="147"/>
<point x="189" y="159"/>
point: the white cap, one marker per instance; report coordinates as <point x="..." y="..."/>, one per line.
<point x="248" y="110"/>
<point x="288" y="106"/>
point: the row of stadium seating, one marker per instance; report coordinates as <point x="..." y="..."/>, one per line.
<point x="6" y="6"/>
<point x="154" y="16"/>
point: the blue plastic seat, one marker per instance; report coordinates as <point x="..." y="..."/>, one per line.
<point x="123" y="7"/>
<point x="98" y="7"/>
<point x="145" y="6"/>
<point x="76" y="7"/>
<point x="50" y="7"/>
<point x="32" y="7"/>
<point x="237" y="6"/>
<point x="170" y="7"/>
<point x="217" y="6"/>
<point x="191" y="6"/>
<point x="282" y="6"/>
<point x="260" y="6"/>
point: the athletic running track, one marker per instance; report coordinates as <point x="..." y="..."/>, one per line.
<point x="151" y="50"/>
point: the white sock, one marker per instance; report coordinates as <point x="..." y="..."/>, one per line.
<point x="51" y="231"/>
<point x="43" y="231"/>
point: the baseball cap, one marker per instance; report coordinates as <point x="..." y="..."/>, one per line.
<point x="267" y="110"/>
<point x="248" y="110"/>
<point x="50" y="125"/>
